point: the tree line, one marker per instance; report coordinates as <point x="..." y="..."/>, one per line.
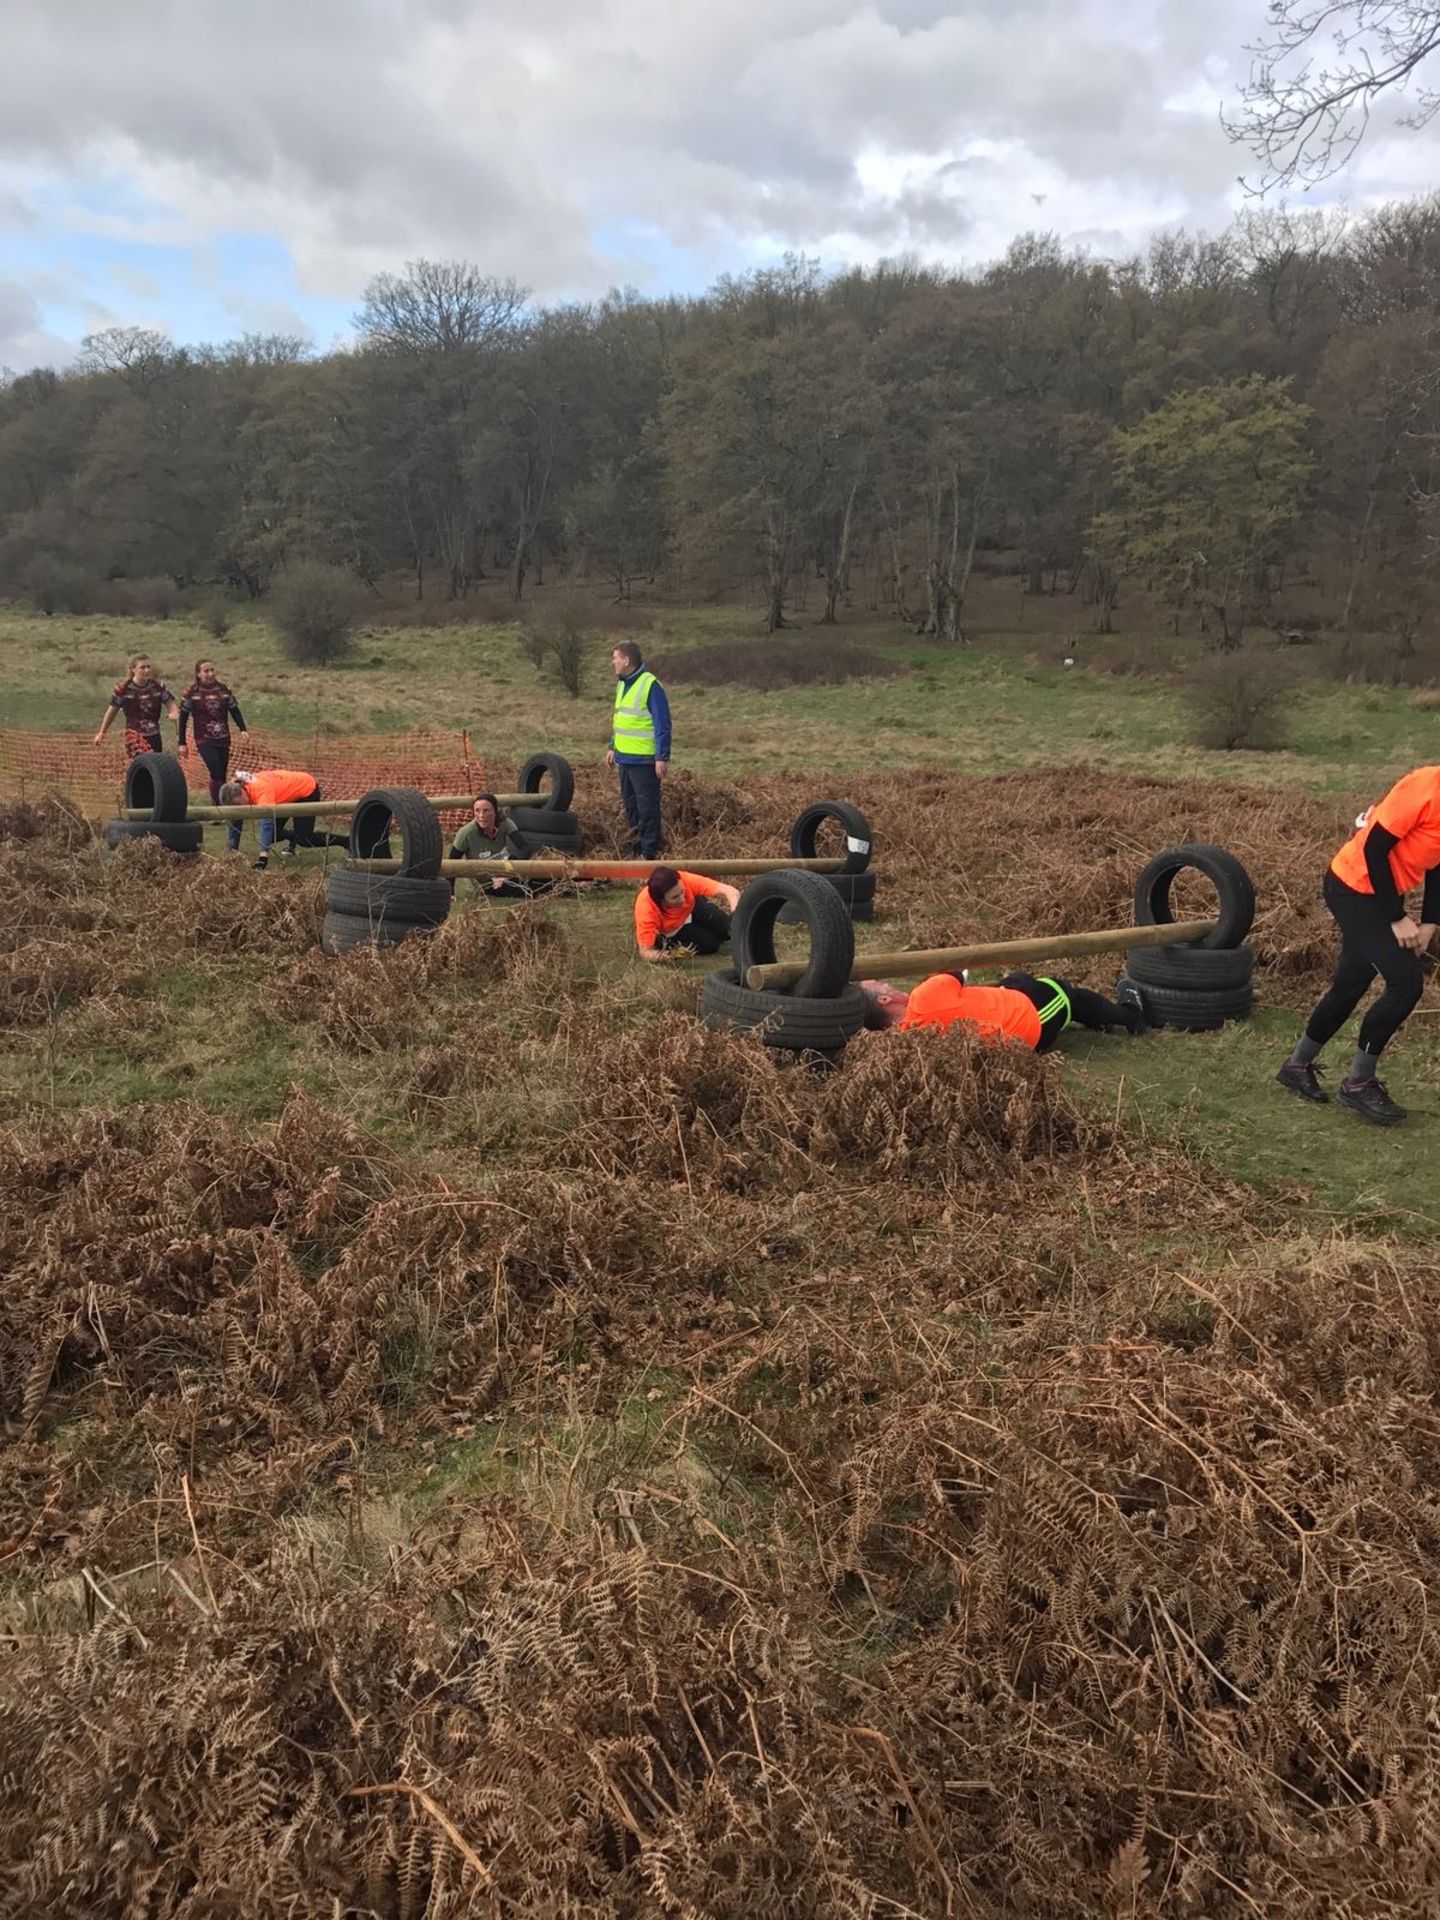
<point x="1210" y="419"/>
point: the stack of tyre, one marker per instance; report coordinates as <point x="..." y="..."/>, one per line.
<point x="382" y="909"/>
<point x="549" y="825"/>
<point x="854" y="882"/>
<point x="1200" y="986"/>
<point x="156" y="781"/>
<point x="825" y="1009"/>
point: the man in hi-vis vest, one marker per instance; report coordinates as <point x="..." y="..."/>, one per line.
<point x="639" y="745"/>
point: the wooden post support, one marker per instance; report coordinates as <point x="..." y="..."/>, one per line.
<point x="326" y="809"/>
<point x="595" y="869"/>
<point x="780" y="975"/>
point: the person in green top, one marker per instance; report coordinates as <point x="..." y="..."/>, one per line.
<point x="492" y="835"/>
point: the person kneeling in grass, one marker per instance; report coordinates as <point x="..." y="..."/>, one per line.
<point x="273" y="788"/>
<point x="1021" y="1009"/>
<point x="491" y="835"/>
<point x="676" y="912"/>
<point x="1394" y="848"/>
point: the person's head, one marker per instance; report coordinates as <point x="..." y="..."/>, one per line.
<point x="884" y="1005"/>
<point x="486" y="809"/>
<point x="625" y="658"/>
<point x="205" y="673"/>
<point x="666" y="888"/>
<point x="232" y="794"/>
<point x="142" y="668"/>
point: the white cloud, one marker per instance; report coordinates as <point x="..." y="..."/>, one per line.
<point x="582" y="142"/>
<point x="25" y="340"/>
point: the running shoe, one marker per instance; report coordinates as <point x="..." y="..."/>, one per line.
<point x="1303" y="1080"/>
<point x="1369" y="1099"/>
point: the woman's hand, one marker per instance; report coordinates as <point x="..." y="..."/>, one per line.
<point x="98" y="740"/>
<point x="1410" y="936"/>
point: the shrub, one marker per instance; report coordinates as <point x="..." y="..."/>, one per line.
<point x="1426" y="700"/>
<point x="216" y="620"/>
<point x="563" y="635"/>
<point x="765" y="665"/>
<point x="58" y="586"/>
<point x="314" y="609"/>
<point x="1239" y="700"/>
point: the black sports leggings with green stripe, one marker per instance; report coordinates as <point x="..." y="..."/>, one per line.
<point x="1061" y="1003"/>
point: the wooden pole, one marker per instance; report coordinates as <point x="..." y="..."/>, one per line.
<point x="594" y="869"/>
<point x="780" y="975"/>
<point x="325" y="809"/>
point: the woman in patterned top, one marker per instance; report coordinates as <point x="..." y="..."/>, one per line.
<point x="210" y="704"/>
<point x="142" y="698"/>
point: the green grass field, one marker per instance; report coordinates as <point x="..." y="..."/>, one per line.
<point x="1000" y="704"/>
<point x="1005" y="701"/>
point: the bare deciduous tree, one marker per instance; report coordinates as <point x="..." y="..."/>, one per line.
<point x="1316" y="77"/>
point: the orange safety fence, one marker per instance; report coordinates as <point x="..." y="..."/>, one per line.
<point x="32" y="764"/>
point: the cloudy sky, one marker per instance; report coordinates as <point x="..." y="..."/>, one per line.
<point x="212" y="166"/>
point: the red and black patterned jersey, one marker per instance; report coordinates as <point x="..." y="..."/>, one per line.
<point x="210" y="708"/>
<point x="142" y="706"/>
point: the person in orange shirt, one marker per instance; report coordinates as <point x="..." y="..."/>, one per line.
<point x="271" y="788"/>
<point x="676" y="912"/>
<point x="1021" y="1010"/>
<point x="1394" y="849"/>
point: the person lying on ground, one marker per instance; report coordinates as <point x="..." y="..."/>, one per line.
<point x="210" y="705"/>
<point x="491" y="835"/>
<point x="142" y="697"/>
<point x="676" y="913"/>
<point x="275" y="788"/>
<point x="1029" y="1011"/>
<point x="1395" y="847"/>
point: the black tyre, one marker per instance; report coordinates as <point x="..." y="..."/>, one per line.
<point x="389" y="899"/>
<point x="1206" y="969"/>
<point x="343" y="932"/>
<point x="544" y="823"/>
<point x="832" y="938"/>
<point x="789" y="1020"/>
<point x="857" y="833"/>
<point x="1191" y="1012"/>
<point x="180" y="836"/>
<point x="550" y="776"/>
<point x="1235" y="912"/>
<point x="421" y="842"/>
<point x="157" y="781"/>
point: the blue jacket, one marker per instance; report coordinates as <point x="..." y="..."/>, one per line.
<point x="659" y="708"/>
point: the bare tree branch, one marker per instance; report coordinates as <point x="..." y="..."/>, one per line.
<point x="1316" y="77"/>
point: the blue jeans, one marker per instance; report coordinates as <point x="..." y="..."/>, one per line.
<point x="640" y="793"/>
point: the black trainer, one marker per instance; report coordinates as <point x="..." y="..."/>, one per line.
<point x="1131" y="1001"/>
<point x="1303" y="1080"/>
<point x="1370" y="1100"/>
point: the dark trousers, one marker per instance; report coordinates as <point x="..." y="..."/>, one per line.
<point x="1087" y="1009"/>
<point x="706" y="931"/>
<point x="215" y="756"/>
<point x="640" y="795"/>
<point x="1367" y="947"/>
<point x="305" y="832"/>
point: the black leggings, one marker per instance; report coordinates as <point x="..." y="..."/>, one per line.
<point x="1367" y="947"/>
<point x="706" y="931"/>
<point x="1087" y="1009"/>
<point x="216" y="756"/>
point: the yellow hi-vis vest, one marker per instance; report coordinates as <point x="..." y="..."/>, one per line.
<point x="634" y="724"/>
